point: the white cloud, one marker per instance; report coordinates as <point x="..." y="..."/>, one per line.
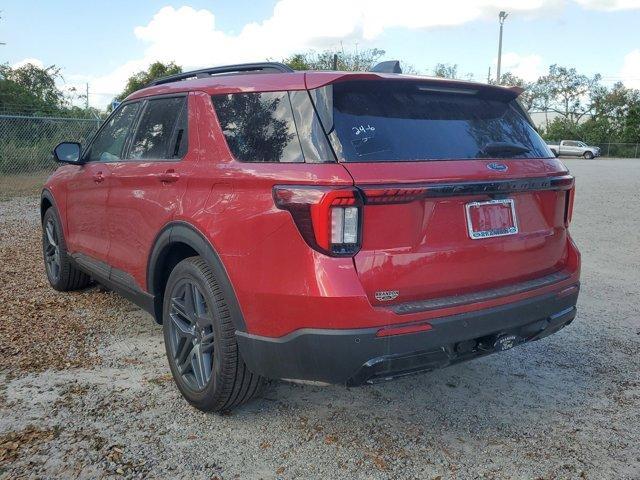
<point x="630" y="71"/>
<point x="33" y="61"/>
<point x="527" y="67"/>
<point x="609" y="5"/>
<point x="192" y="39"/>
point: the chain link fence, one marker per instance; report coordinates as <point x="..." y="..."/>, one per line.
<point x="619" y="150"/>
<point x="26" y="143"/>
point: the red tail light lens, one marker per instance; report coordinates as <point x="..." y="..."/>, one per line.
<point x="329" y="219"/>
<point x="568" y="206"/>
<point x="387" y="196"/>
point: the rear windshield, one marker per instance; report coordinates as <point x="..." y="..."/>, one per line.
<point x="371" y="121"/>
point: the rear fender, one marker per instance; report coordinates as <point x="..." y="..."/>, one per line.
<point x="185" y="233"/>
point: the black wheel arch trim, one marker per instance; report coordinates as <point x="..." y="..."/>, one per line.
<point x="47" y="195"/>
<point x="185" y="233"/>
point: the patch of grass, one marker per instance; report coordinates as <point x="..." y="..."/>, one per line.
<point x="22" y="185"/>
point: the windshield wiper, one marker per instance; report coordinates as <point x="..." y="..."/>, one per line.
<point x="503" y="149"/>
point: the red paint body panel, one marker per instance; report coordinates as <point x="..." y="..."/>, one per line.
<point x="86" y="209"/>
<point x="423" y="249"/>
<point x="420" y="248"/>
<point x="140" y="203"/>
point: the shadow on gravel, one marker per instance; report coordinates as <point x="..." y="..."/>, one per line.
<point x="513" y="387"/>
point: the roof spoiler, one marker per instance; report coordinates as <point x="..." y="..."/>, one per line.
<point x="390" y="66"/>
<point x="261" y="67"/>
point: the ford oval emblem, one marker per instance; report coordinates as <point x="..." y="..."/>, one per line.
<point x="498" y="167"/>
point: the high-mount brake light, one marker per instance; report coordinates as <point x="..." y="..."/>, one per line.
<point x="329" y="219"/>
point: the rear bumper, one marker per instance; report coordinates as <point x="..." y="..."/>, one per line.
<point x="357" y="356"/>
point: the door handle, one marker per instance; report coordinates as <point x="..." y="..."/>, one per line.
<point x="98" y="177"/>
<point x="169" y="176"/>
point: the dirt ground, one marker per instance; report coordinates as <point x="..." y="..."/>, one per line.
<point x="85" y="390"/>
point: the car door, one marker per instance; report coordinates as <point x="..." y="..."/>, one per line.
<point x="88" y="192"/>
<point x="582" y="147"/>
<point x="573" y="148"/>
<point x="147" y="186"/>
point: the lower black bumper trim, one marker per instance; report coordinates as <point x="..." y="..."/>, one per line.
<point x="357" y="356"/>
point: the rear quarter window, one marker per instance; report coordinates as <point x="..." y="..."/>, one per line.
<point x="259" y="127"/>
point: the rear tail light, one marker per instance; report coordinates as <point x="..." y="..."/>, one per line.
<point x="329" y="219"/>
<point x="378" y="196"/>
<point x="568" y="205"/>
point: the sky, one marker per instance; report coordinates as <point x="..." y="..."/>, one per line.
<point x="103" y="43"/>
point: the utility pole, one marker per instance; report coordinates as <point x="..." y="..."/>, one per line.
<point x="2" y="43"/>
<point x="86" y="103"/>
<point x="501" y="18"/>
<point x="489" y="75"/>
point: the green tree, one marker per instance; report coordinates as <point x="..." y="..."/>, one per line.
<point x="360" y="61"/>
<point x="143" y="78"/>
<point x="567" y="92"/>
<point x="561" y="128"/>
<point x="445" y="70"/>
<point x="30" y="89"/>
<point x="529" y="98"/>
<point x="618" y="108"/>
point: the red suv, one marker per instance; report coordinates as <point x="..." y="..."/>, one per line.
<point x="322" y="226"/>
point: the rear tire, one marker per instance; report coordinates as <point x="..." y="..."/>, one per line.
<point x="200" y="341"/>
<point x="588" y="155"/>
<point x="62" y="274"/>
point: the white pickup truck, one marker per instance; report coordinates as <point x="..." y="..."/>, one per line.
<point x="575" y="148"/>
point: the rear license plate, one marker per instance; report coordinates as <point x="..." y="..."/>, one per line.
<point x="494" y="218"/>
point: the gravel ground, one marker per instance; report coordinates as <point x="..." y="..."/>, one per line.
<point x="85" y="390"/>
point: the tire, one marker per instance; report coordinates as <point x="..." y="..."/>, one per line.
<point x="588" y="155"/>
<point x="62" y="274"/>
<point x="200" y="341"/>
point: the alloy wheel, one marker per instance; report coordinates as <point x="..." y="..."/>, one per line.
<point x="191" y="335"/>
<point x="52" y="250"/>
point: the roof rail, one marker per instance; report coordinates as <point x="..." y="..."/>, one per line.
<point x="261" y="67"/>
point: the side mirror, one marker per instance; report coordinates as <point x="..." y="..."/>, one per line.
<point x="68" y="152"/>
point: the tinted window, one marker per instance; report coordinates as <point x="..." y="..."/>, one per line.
<point x="399" y="121"/>
<point x="313" y="141"/>
<point x="161" y="130"/>
<point x="108" y="144"/>
<point x="259" y="127"/>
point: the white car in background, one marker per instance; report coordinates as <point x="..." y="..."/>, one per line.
<point x="574" y="148"/>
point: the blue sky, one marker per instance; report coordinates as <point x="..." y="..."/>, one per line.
<point x="103" y="43"/>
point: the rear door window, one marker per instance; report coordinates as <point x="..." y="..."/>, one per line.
<point x="259" y="127"/>
<point x="373" y="121"/>
<point x="161" y="132"/>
